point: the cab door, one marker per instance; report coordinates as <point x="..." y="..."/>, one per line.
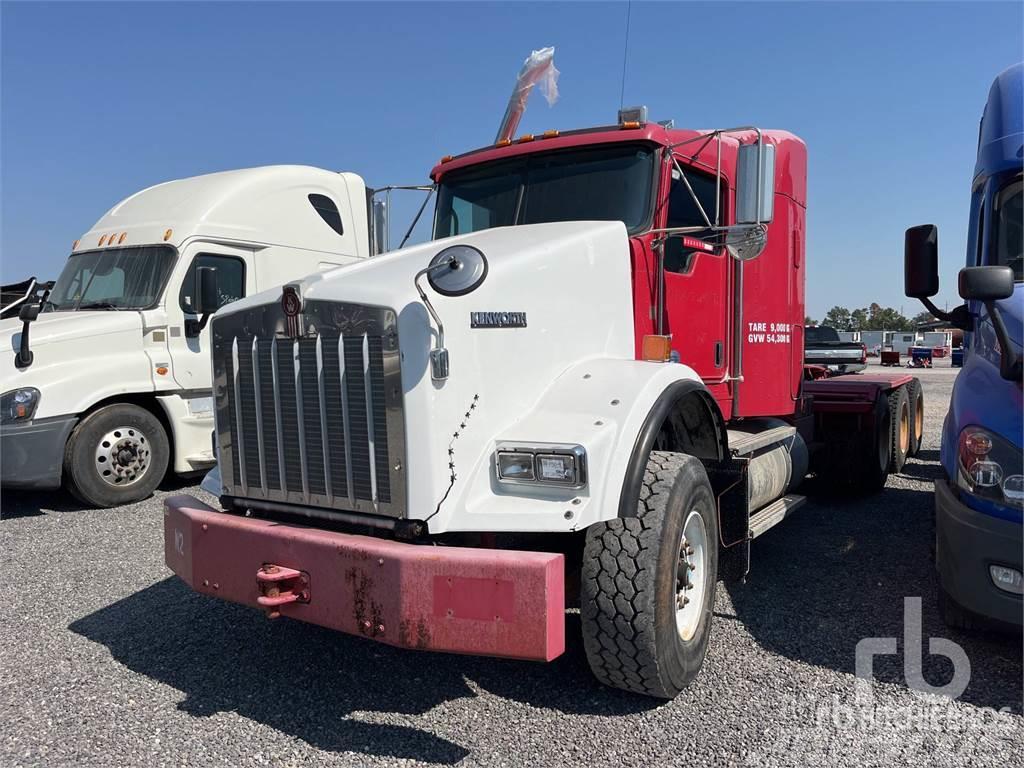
<point x="190" y="349"/>
<point x="697" y="283"/>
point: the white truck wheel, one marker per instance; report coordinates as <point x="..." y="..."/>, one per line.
<point x="116" y="455"/>
<point x="648" y="583"/>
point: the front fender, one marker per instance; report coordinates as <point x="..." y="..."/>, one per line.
<point x="601" y="404"/>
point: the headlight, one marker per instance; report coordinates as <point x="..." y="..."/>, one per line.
<point x="990" y="467"/>
<point x="541" y="463"/>
<point x="18" y="405"/>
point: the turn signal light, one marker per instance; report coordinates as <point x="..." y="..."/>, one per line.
<point x="656" y="348"/>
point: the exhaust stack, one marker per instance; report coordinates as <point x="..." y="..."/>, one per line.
<point x="539" y="67"/>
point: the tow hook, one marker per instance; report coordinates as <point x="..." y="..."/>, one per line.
<point x="279" y="586"/>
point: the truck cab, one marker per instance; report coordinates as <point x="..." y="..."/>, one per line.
<point x="106" y="382"/>
<point x="978" y="501"/>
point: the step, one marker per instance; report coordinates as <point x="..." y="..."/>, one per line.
<point x="743" y="443"/>
<point x="774" y="513"/>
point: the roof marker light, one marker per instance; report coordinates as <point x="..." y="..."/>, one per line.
<point x="628" y="124"/>
<point x="503" y="143"/>
<point x="525" y="138"/>
<point x="551" y="134"/>
<point x="122" y="237"/>
<point x="74" y="245"/>
<point x="167" y="235"/>
<point x="447" y="158"/>
<point x="103" y="239"/>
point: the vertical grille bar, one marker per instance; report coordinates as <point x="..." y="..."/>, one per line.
<point x="368" y="387"/>
<point x="321" y="389"/>
<point x="297" y="367"/>
<point x="259" y="411"/>
<point x="342" y="374"/>
<point x="236" y="383"/>
<point x="277" y="416"/>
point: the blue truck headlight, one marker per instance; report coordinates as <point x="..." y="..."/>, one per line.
<point x="553" y="464"/>
<point x="990" y="467"/>
<point x="18" y="405"/>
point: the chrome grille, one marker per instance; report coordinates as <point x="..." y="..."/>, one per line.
<point x="315" y="419"/>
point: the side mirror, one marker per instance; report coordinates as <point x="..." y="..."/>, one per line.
<point x="921" y="262"/>
<point x="206" y="300"/>
<point x="755" y="193"/>
<point x="207" y="297"/>
<point x="27" y="314"/>
<point x="378" y="226"/>
<point x="985" y="283"/>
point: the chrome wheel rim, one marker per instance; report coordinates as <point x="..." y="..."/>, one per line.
<point x="691" y="576"/>
<point x="123" y="456"/>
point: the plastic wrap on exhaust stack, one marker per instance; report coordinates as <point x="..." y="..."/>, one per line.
<point x="538" y="69"/>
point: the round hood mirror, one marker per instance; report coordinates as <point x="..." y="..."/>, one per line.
<point x="457" y="270"/>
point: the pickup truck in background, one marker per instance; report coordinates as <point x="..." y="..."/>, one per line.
<point x="823" y="347"/>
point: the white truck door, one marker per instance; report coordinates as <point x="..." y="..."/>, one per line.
<point x="189" y="350"/>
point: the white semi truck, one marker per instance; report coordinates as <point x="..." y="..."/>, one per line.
<point x="106" y="383"/>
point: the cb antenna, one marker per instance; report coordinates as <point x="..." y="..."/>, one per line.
<point x="625" y="54"/>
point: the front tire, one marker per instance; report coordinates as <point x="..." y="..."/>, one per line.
<point x="117" y="455"/>
<point x="648" y="583"/>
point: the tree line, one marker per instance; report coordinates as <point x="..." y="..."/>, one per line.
<point x="873" y="318"/>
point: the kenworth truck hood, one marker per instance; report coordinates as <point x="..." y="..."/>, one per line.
<point x="78" y="356"/>
<point x="572" y="282"/>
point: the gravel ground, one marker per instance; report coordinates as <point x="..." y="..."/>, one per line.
<point x="107" y="660"/>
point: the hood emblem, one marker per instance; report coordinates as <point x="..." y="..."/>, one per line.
<point x="497" y="319"/>
<point x="291" y="305"/>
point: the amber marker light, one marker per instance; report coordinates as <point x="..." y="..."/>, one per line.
<point x="656" y="348"/>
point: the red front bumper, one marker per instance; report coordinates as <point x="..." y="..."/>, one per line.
<point x="483" y="601"/>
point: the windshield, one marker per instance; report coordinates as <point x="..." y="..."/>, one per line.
<point x="1009" y="240"/>
<point x="612" y="183"/>
<point x="820" y="335"/>
<point x="122" y="278"/>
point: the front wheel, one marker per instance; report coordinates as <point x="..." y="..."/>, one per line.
<point x="648" y="583"/>
<point x="117" y="454"/>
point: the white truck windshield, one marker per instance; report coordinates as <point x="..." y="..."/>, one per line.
<point x="120" y="278"/>
<point x="610" y="183"/>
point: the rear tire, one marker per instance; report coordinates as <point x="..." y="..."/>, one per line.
<point x="116" y="455"/>
<point x="900" y="428"/>
<point x="915" y="395"/>
<point x="648" y="583"/>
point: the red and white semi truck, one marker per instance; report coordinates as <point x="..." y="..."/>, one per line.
<point x="588" y="390"/>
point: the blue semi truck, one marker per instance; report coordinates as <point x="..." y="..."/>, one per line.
<point x="978" y="502"/>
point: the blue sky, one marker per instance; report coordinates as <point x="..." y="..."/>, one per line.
<point x="100" y="100"/>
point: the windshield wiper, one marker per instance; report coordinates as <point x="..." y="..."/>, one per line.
<point x="99" y="305"/>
